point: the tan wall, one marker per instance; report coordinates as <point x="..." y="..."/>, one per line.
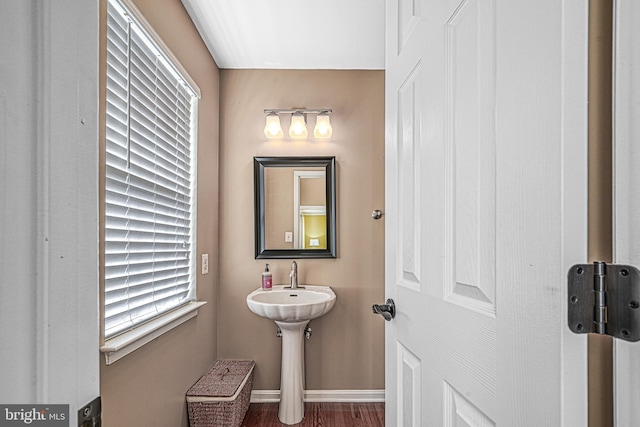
<point x="346" y="350"/>
<point x="312" y="191"/>
<point x="148" y="386"/>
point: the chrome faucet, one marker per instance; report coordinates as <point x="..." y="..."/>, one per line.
<point x="294" y="275"/>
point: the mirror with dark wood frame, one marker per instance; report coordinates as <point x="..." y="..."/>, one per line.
<point x="295" y="207"/>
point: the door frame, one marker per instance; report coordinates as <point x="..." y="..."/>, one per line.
<point x="625" y="96"/>
<point x="52" y="194"/>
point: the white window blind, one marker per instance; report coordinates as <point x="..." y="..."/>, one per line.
<point x="150" y="178"/>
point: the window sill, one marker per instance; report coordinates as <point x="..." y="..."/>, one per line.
<point x="116" y="348"/>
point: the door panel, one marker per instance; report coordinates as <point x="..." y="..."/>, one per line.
<point x="409" y="379"/>
<point x="626" y="201"/>
<point x="484" y="212"/>
<point x="470" y="150"/>
<point x="459" y="412"/>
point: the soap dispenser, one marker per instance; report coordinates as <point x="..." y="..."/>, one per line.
<point x="267" y="282"/>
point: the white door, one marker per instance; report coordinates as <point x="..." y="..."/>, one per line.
<point x="626" y="192"/>
<point x="486" y="197"/>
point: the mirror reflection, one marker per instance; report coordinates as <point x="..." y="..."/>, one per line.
<point x="295" y="207"/>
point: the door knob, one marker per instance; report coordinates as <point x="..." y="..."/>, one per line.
<point x="388" y="310"/>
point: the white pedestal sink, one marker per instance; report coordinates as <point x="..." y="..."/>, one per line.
<point x="292" y="309"/>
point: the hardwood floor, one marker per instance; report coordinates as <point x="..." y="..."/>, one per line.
<point x="319" y="414"/>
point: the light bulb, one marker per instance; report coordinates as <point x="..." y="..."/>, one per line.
<point x="323" y="128"/>
<point x="272" y="128"/>
<point x="298" y="127"/>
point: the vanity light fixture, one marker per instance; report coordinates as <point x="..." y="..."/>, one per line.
<point x="298" y="128"/>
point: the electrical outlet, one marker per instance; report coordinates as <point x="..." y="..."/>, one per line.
<point x="288" y="236"/>
<point x="205" y="263"/>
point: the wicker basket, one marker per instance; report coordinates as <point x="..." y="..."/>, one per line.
<point x="221" y="397"/>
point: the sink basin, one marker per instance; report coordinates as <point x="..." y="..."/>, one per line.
<point x="292" y="305"/>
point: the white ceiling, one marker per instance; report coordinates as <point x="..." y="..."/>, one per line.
<point x="292" y="34"/>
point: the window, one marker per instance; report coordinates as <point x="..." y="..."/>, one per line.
<point x="150" y="176"/>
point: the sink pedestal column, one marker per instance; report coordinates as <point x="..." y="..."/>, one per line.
<point x="291" y="409"/>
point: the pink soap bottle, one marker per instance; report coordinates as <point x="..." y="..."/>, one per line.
<point x="267" y="282"/>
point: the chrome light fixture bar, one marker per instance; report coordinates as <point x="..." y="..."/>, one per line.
<point x="298" y="128"/>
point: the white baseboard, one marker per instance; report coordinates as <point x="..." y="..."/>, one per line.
<point x="265" y="396"/>
<point x="273" y="396"/>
